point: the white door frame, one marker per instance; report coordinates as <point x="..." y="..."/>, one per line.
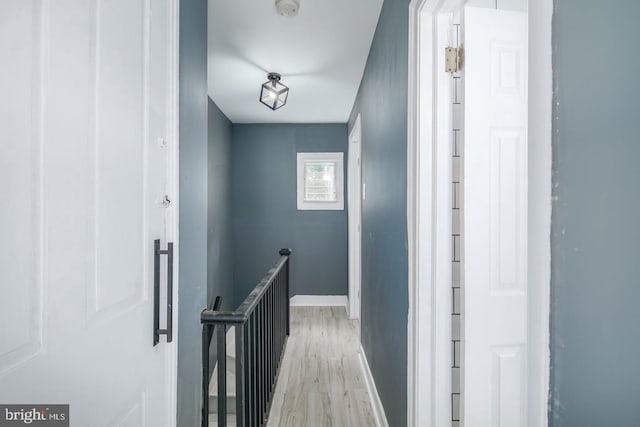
<point x="173" y="181"/>
<point x="429" y="223"/>
<point x="354" y="181"/>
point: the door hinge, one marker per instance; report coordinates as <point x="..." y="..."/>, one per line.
<point x="453" y="57"/>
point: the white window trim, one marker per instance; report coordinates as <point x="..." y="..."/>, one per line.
<point x="338" y="158"/>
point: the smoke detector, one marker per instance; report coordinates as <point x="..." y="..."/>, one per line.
<point x="288" y="7"/>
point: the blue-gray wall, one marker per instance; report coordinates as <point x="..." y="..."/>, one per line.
<point x="382" y="101"/>
<point x="220" y="243"/>
<point x="265" y="216"/>
<point x="595" y="289"/>
<point x="193" y="205"/>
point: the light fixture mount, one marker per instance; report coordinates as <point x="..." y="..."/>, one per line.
<point x="288" y="8"/>
<point x="273" y="93"/>
<point x="274" y="77"/>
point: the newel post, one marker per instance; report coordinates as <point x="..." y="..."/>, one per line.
<point x="287" y="252"/>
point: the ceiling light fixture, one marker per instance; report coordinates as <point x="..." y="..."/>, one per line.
<point x="288" y="8"/>
<point x="274" y="94"/>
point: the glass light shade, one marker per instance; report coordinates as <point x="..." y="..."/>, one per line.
<point x="274" y="94"/>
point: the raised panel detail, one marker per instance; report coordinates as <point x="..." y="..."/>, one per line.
<point x="508" y="210"/>
<point x="21" y="201"/>
<point x="507" y="386"/>
<point x="120" y="120"/>
<point x="508" y="77"/>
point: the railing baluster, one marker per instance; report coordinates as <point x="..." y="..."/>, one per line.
<point x="265" y="352"/>
<point x="222" y="376"/>
<point x="280" y="317"/>
<point x="281" y="293"/>
<point x="281" y="309"/>
<point x="264" y="360"/>
<point x="266" y="355"/>
<point x="269" y="341"/>
<point x="260" y="364"/>
<point x="240" y="372"/>
<point x="248" y="367"/>
<point x="274" y="350"/>
<point x="276" y="328"/>
<point x="276" y="315"/>
<point x="206" y="340"/>
<point x="277" y="335"/>
<point x="274" y="320"/>
<point x="272" y="339"/>
<point x="254" y="378"/>
<point x="263" y="340"/>
<point x="287" y="253"/>
<point x="265" y="315"/>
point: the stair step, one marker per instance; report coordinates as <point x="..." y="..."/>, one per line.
<point x="231" y="420"/>
<point x="213" y="404"/>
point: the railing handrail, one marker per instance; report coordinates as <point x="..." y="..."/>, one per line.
<point x="262" y="324"/>
<point x="249" y="304"/>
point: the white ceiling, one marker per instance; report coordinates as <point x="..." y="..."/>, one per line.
<point x="321" y="55"/>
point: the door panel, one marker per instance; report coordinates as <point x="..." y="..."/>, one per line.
<point x="84" y="174"/>
<point x="119" y="110"/>
<point x="495" y="218"/>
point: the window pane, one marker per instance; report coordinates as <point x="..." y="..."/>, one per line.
<point x="320" y="181"/>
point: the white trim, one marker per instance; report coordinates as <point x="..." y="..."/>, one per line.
<point x="539" y="214"/>
<point x="173" y="133"/>
<point x="376" y="404"/>
<point x="354" y="181"/>
<point x="426" y="329"/>
<point x="413" y="336"/>
<point x="319" y="301"/>
<point x="334" y="157"/>
<point x="429" y="219"/>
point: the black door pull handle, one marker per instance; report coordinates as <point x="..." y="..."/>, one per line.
<point x="157" y="252"/>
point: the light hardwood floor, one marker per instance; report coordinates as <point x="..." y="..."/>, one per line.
<point x="321" y="381"/>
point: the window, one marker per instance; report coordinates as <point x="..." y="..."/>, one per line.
<point x="320" y="181"/>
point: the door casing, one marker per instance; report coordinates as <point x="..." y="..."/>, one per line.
<point x="173" y="181"/>
<point x="354" y="180"/>
<point x="428" y="214"/>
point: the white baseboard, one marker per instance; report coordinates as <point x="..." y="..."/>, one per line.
<point x="319" y="301"/>
<point x="376" y="404"/>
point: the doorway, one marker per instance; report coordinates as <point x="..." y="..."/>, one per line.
<point x="355" y="218"/>
<point x="501" y="236"/>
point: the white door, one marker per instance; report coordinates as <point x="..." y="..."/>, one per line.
<point x="355" y="218"/>
<point x="495" y="218"/>
<point x="84" y="103"/>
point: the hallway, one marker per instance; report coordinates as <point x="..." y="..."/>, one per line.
<point x="470" y="166"/>
<point x="321" y="382"/>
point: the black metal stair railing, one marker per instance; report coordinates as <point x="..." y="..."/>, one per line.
<point x="261" y="330"/>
